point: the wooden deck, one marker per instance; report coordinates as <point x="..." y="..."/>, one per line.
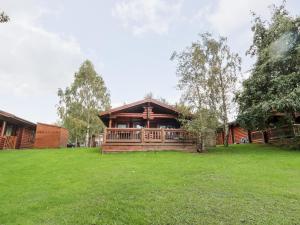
<point x="275" y="134"/>
<point x="147" y="139"/>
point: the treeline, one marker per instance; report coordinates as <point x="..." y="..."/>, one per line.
<point x="208" y="73"/>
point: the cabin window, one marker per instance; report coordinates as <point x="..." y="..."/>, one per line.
<point x="167" y="126"/>
<point x="10" y="131"/>
<point x="122" y="125"/>
<point x="137" y="125"/>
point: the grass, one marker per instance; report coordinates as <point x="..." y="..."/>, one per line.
<point x="244" y="184"/>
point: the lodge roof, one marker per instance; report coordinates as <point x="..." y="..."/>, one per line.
<point x="147" y="100"/>
<point x="14" y="119"/>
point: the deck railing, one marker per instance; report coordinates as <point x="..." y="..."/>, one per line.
<point x="147" y="135"/>
<point x="284" y="132"/>
<point x="8" y="142"/>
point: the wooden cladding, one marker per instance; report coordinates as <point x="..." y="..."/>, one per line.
<point x="144" y="115"/>
<point x="147" y="135"/>
<point x="24" y="138"/>
<point x="50" y="136"/>
<point x="10" y="142"/>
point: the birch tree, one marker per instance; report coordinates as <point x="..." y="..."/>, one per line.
<point x="80" y="104"/>
<point x="208" y="73"/>
<point x="224" y="71"/>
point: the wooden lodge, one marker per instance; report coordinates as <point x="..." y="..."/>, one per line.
<point x="144" y="125"/>
<point x="50" y="136"/>
<point x="274" y="134"/>
<point x="237" y="135"/>
<point x="15" y="132"/>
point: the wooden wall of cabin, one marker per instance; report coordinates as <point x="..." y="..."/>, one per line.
<point x="155" y="123"/>
<point x="25" y="137"/>
<point x="237" y="135"/>
<point x="64" y="137"/>
<point x="240" y="134"/>
<point x="50" y="136"/>
<point x="2" y="139"/>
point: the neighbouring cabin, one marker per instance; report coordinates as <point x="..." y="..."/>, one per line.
<point x="274" y="134"/>
<point x="15" y="132"/>
<point x="50" y="136"/>
<point x="237" y="135"/>
<point x="144" y="125"/>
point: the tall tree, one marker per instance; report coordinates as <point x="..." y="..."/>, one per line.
<point x="81" y="102"/>
<point x="208" y="72"/>
<point x="3" y="17"/>
<point x="151" y="96"/>
<point x="273" y="85"/>
<point x="224" y="70"/>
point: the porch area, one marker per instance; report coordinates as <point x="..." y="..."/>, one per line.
<point x="15" y="132"/>
<point x="8" y="142"/>
<point x="274" y="135"/>
<point x="146" y="139"/>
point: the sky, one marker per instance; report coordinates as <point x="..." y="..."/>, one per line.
<point x="130" y="43"/>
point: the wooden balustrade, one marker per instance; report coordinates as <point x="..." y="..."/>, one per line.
<point x="296" y="128"/>
<point x="153" y="135"/>
<point x="2" y="141"/>
<point x="178" y="135"/>
<point x="147" y="135"/>
<point x="9" y="142"/>
<point x="123" y="135"/>
<point x="284" y="132"/>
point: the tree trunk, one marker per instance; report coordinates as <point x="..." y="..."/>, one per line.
<point x="200" y="144"/>
<point x="226" y="134"/>
<point x="87" y="138"/>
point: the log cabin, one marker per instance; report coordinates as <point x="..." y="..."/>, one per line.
<point x="237" y="134"/>
<point x="15" y="132"/>
<point x="277" y="131"/>
<point x="144" y="125"/>
<point x="50" y="136"/>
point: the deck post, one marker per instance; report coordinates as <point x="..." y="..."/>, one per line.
<point x="104" y="136"/>
<point x="3" y="128"/>
<point x="163" y="135"/>
<point x="142" y="135"/>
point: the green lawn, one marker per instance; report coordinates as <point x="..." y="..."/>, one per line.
<point x="245" y="184"/>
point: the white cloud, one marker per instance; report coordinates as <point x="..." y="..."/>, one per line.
<point x="32" y="59"/>
<point x="145" y="16"/>
<point x="231" y="16"/>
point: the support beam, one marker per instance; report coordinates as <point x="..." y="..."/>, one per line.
<point x="110" y="122"/>
<point x="3" y="128"/>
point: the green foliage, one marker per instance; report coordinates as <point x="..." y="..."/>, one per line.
<point x="80" y="104"/>
<point x="3" y="17"/>
<point x="274" y="82"/>
<point x="242" y="184"/>
<point x="150" y="95"/>
<point x="208" y="72"/>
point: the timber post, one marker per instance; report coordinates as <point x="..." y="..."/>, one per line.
<point x="163" y="135"/>
<point x="104" y="136"/>
<point x="3" y="128"/>
<point x="143" y="135"/>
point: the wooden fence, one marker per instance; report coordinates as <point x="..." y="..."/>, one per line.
<point x="8" y="142"/>
<point x="147" y="135"/>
